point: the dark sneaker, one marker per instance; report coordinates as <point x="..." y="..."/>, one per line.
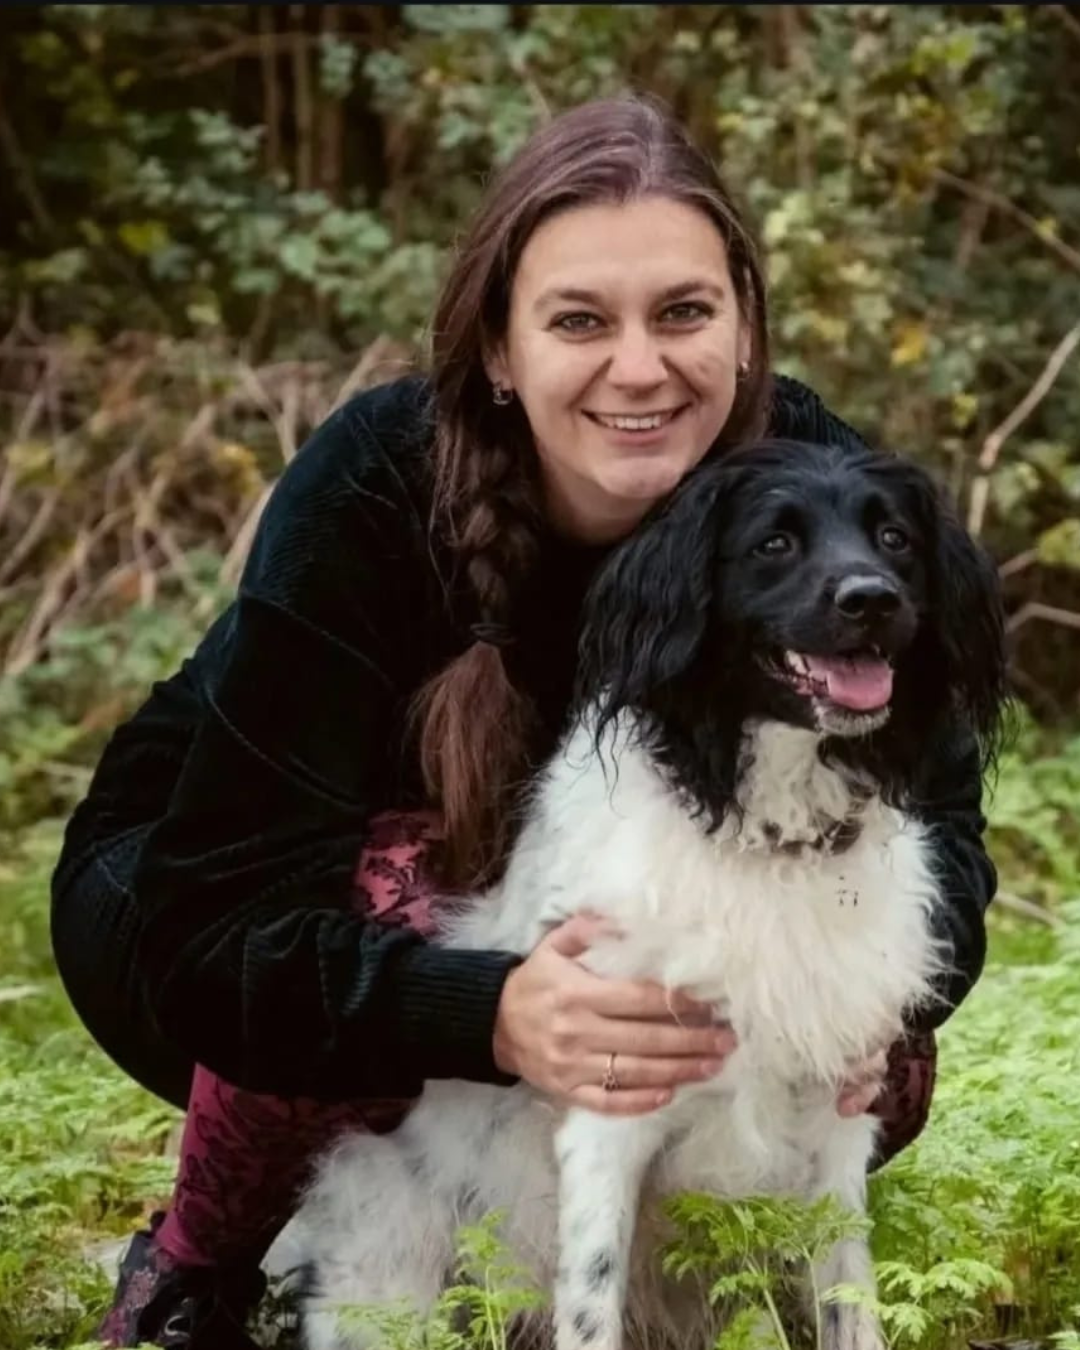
<point x="160" y="1302"/>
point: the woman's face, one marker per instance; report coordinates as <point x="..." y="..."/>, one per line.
<point x="622" y="345"/>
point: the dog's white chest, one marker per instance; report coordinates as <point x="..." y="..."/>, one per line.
<point x="811" y="955"/>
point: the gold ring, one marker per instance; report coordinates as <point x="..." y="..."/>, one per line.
<point x="610" y="1083"/>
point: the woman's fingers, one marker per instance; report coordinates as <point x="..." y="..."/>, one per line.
<point x="664" y="1040"/>
<point x="643" y="1000"/>
<point x="633" y="1071"/>
<point x="857" y="1100"/>
<point x="863" y="1085"/>
<point x="574" y="937"/>
<point x="558" y="1024"/>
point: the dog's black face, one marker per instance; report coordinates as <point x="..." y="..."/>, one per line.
<point x="820" y="574"/>
<point x="824" y="588"/>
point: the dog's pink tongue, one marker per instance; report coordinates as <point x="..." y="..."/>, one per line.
<point x="860" y="682"/>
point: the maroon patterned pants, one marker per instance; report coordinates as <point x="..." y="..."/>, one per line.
<point x="244" y="1155"/>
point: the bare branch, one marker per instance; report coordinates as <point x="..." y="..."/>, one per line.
<point x="1035" y="609"/>
<point x="1069" y="256"/>
<point x="980" y="488"/>
<point x="1069" y="20"/>
<point x="1028" y="909"/>
<point x="23" y="175"/>
<point x="32" y="535"/>
<point x="233" y="562"/>
<point x="260" y="45"/>
<point x="282" y="418"/>
<point x="271" y="88"/>
<point x="1019" y="563"/>
<point x="303" y="107"/>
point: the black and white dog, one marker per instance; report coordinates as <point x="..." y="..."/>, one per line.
<point x="767" y="668"/>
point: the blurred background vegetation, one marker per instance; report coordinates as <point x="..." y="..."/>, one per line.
<point x="217" y="221"/>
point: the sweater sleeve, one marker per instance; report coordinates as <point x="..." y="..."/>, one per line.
<point x="950" y="805"/>
<point x="949" y="798"/>
<point x="253" y="962"/>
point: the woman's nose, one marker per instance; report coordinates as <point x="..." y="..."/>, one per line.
<point x="637" y="362"/>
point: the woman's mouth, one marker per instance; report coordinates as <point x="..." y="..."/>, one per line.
<point x="637" y="425"/>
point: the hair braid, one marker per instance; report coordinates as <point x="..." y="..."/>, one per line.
<point x="477" y="725"/>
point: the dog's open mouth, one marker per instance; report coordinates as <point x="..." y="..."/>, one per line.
<point x="860" y="681"/>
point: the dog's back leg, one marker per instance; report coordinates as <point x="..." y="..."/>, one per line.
<point x="601" y="1163"/>
<point x="382" y="1238"/>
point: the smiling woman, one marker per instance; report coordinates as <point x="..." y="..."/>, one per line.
<point x="240" y="907"/>
<point x="625" y="342"/>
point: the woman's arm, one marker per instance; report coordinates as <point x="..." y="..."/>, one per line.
<point x="252" y="960"/>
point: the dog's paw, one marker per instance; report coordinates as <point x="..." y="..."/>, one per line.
<point x="847" y="1326"/>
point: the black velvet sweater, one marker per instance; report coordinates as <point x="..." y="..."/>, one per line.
<point x="262" y="759"/>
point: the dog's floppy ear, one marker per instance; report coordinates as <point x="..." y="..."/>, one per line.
<point x="647" y="611"/>
<point x="968" y="622"/>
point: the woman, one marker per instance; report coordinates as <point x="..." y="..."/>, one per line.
<point x="404" y="635"/>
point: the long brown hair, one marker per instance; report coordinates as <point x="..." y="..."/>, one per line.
<point x="474" y="723"/>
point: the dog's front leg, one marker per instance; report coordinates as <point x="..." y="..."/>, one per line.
<point x="601" y="1163"/>
<point x="842" y="1174"/>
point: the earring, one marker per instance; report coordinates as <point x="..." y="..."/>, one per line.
<point x="501" y="395"/>
<point x="742" y="370"/>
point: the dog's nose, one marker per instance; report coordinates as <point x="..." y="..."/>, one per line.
<point x="867" y="598"/>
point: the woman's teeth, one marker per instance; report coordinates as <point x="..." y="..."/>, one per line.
<point x="649" y="423"/>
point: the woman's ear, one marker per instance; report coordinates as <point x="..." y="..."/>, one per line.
<point x="497" y="367"/>
<point x="744" y="348"/>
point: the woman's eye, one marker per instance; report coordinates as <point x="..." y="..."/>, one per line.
<point x="686" y="311"/>
<point x="576" y="323"/>
<point x="892" y="538"/>
<point x="775" y="546"/>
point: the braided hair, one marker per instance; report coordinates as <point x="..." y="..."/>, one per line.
<point x="475" y="725"/>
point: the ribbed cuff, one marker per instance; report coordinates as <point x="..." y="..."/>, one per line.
<point x="445" y="1004"/>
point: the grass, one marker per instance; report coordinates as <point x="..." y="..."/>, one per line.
<point x="977" y="1227"/>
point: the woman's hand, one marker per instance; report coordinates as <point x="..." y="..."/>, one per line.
<point x="568" y="1032"/>
<point x="863" y="1085"/>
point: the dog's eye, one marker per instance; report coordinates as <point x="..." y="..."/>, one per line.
<point x="892" y="538"/>
<point x="775" y="546"/>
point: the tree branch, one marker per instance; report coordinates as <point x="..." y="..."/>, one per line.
<point x="1035" y="609"/>
<point x="1069" y="256"/>
<point x="23" y="175"/>
<point x="271" y="89"/>
<point x="980" y="488"/>
<point x="303" y="107"/>
<point x="1028" y="908"/>
<point x="1069" y="20"/>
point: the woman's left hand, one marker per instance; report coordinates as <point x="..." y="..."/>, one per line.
<point x="862" y="1086"/>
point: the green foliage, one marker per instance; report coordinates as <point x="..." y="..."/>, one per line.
<point x="79" y="1148"/>
<point x="489" y="1291"/>
<point x="57" y="713"/>
<point x="996" y="1177"/>
<point x="977" y="1226"/>
<point x="1035" y="816"/>
<point x="747" y="1252"/>
<point x="911" y="168"/>
<point x="261" y="190"/>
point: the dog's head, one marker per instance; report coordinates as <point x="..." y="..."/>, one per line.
<point x="825" y="588"/>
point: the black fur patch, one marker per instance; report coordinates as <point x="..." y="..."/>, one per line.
<point x="587" y="1325"/>
<point x="600" y="1270"/>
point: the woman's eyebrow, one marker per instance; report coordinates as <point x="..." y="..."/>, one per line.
<point x="567" y="294"/>
<point x="697" y="286"/>
<point x="580" y="296"/>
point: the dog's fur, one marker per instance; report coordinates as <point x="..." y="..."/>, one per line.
<point x="756" y="844"/>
